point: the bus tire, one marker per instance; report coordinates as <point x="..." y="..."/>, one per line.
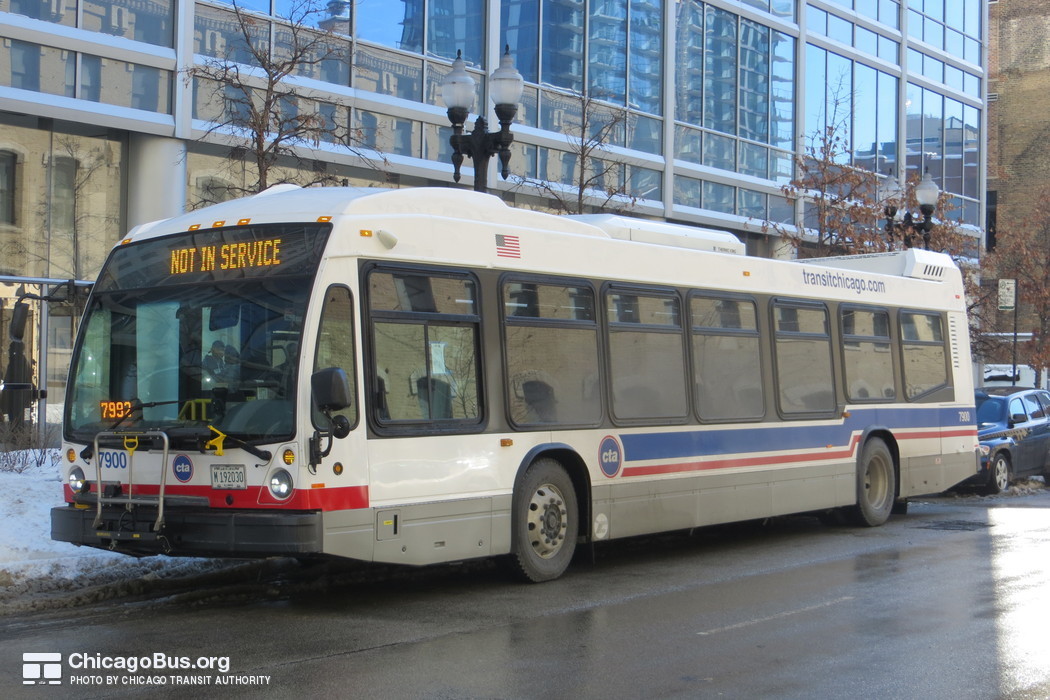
<point x="876" y="484"/>
<point x="545" y="522"/>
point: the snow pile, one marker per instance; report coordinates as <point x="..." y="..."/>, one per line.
<point x="1026" y="487"/>
<point x="37" y="572"/>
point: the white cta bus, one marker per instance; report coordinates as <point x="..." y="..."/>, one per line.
<point x="427" y="375"/>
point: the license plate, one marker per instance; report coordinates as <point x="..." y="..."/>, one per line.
<point x="228" y="476"/>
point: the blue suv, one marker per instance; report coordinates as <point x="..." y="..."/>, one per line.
<point x="1013" y="426"/>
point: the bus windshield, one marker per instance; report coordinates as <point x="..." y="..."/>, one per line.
<point x="193" y="349"/>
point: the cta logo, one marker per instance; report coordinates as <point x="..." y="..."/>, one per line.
<point x="610" y="456"/>
<point x="183" y="468"/>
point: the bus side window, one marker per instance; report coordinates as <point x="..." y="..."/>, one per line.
<point x="550" y="347"/>
<point x="335" y="346"/>
<point x="726" y="357"/>
<point x="867" y="360"/>
<point x="424" y="335"/>
<point x="802" y="354"/>
<point x="646" y="355"/>
<point x="925" y="358"/>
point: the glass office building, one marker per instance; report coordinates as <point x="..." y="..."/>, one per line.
<point x="102" y="127"/>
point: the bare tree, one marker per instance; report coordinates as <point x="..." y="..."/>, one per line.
<point x="271" y="123"/>
<point x="841" y="209"/>
<point x="591" y="179"/>
<point x="1022" y="252"/>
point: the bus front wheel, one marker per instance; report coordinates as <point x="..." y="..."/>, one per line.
<point x="546" y="522"/>
<point x="876" y="484"/>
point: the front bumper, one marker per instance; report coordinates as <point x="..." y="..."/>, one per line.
<point x="191" y="532"/>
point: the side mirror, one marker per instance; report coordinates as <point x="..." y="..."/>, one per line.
<point x="331" y="389"/>
<point x="331" y="392"/>
<point x="19" y="316"/>
<point x="1018" y="418"/>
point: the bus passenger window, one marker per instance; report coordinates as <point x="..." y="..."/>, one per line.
<point x="646" y="356"/>
<point x="551" y="354"/>
<point x="727" y="360"/>
<point x="803" y="359"/>
<point x="424" y="340"/>
<point x="924" y="356"/>
<point x="867" y="359"/>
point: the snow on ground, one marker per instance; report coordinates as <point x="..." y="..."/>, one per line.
<point x="37" y="572"/>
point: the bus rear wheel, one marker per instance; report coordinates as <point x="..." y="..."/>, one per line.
<point x="545" y="520"/>
<point x="876" y="484"/>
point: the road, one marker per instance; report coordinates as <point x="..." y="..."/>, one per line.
<point x="949" y="601"/>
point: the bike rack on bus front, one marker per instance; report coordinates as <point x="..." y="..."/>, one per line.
<point x="130" y="442"/>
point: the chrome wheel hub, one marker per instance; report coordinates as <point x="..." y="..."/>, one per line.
<point x="548" y="521"/>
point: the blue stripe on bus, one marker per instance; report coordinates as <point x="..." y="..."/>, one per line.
<point x="717" y="440"/>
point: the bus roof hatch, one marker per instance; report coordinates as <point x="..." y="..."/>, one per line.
<point x="662" y="233"/>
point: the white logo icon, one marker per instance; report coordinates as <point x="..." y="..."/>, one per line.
<point x="41" y="668"/>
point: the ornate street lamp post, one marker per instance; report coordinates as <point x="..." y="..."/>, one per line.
<point x="901" y="223"/>
<point x="458" y="91"/>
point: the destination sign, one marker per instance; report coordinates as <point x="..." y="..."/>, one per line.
<point x="212" y="255"/>
<point x="229" y="256"/>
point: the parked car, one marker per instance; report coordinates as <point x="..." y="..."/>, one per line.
<point x="1013" y="426"/>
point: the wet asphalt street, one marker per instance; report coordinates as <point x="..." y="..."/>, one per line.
<point x="950" y="601"/>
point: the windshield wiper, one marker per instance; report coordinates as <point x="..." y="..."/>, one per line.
<point x="248" y="447"/>
<point x="205" y="440"/>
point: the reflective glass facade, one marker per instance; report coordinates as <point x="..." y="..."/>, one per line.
<point x="701" y="106"/>
<point x="710" y="101"/>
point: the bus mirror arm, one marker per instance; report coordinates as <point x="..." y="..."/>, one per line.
<point x="340" y="429"/>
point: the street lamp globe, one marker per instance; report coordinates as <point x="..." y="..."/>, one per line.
<point x="459" y="90"/>
<point x="926" y="193"/>
<point x="506" y="83"/>
<point x="889" y="194"/>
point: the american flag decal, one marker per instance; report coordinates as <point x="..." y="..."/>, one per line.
<point x="507" y="246"/>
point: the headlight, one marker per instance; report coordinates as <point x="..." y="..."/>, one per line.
<point x="281" y="484"/>
<point x="985" y="450"/>
<point x="77" y="481"/>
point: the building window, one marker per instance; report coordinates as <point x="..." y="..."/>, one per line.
<point x="25" y="66"/>
<point x="64" y="194"/>
<point x="8" y="194"/>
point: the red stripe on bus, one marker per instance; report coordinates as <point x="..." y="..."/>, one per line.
<point x="334" y="498"/>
